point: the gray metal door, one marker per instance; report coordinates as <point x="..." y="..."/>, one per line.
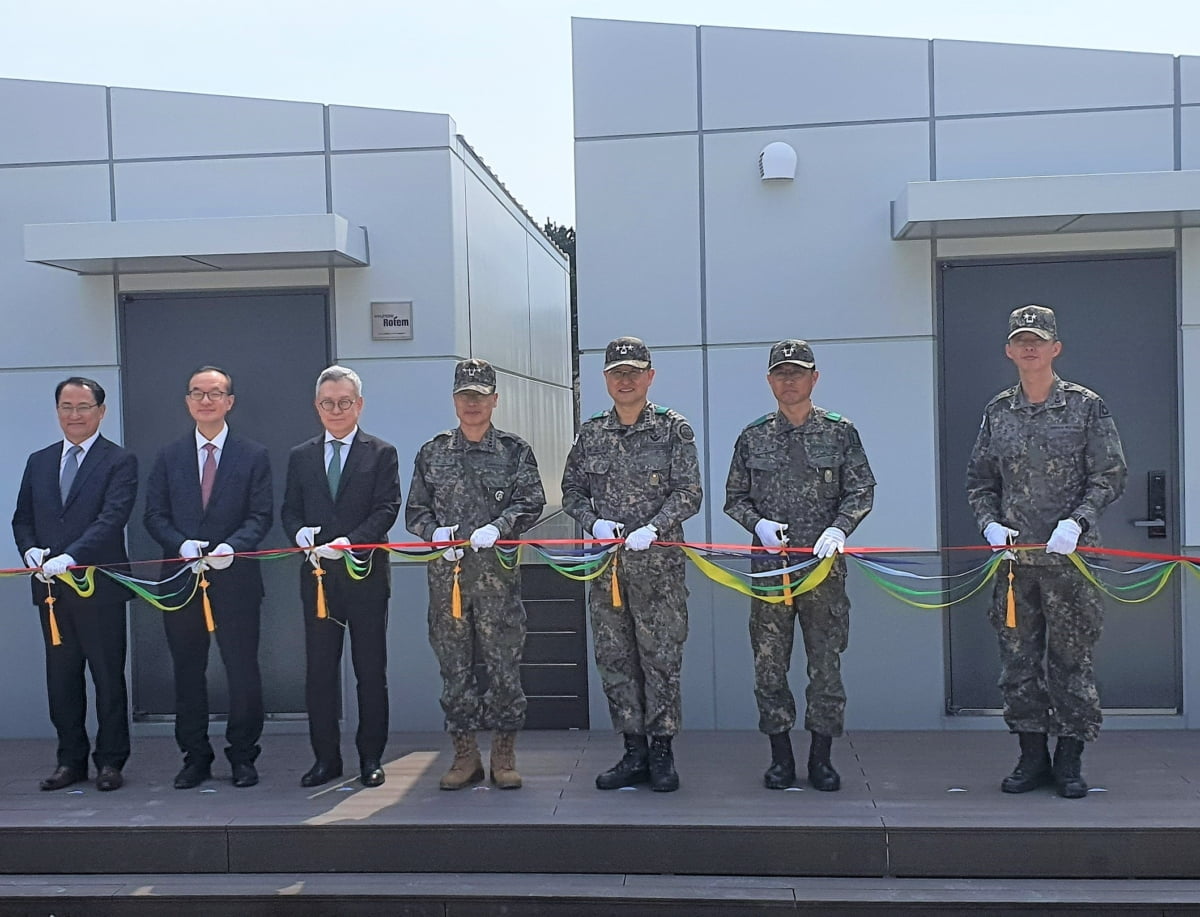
<point x="1117" y="321"/>
<point x="273" y="344"/>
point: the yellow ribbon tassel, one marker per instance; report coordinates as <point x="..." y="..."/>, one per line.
<point x="456" y="594"/>
<point x="55" y="636"/>
<point x="208" y="615"/>
<point x="1010" y="619"/>
<point x="322" y="611"/>
<point x="616" y="589"/>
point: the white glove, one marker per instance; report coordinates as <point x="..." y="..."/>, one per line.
<point x="306" y="536"/>
<point x="220" y="557"/>
<point x="771" y="534"/>
<point x="604" y="530"/>
<point x="193" y="550"/>
<point x="446" y="533"/>
<point x="641" y="539"/>
<point x="333" y="550"/>
<point x="832" y="541"/>
<point x="484" y="537"/>
<point x="1064" y="537"/>
<point x="58" y="565"/>
<point x="35" y="556"/>
<point x="998" y="535"/>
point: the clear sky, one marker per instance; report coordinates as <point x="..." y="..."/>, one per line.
<point x="501" y="69"/>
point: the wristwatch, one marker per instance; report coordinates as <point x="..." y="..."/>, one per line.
<point x="1081" y="521"/>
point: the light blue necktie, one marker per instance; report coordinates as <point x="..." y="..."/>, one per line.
<point x="70" y="469"/>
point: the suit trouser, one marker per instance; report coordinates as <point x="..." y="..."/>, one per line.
<point x="237" y="626"/>
<point x="366" y="621"/>
<point x="92" y="636"/>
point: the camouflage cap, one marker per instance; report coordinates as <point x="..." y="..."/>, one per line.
<point x="1037" y="320"/>
<point x="627" y="351"/>
<point x="791" y="351"/>
<point x="474" y="376"/>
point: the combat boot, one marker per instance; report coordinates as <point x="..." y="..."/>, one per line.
<point x="504" y="761"/>
<point x="821" y="775"/>
<point x="467" y="767"/>
<point x="663" y="778"/>
<point x="632" y="769"/>
<point x="1033" y="768"/>
<point x="1068" y="775"/>
<point x="782" y="772"/>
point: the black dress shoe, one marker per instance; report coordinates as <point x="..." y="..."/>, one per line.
<point x="192" y="776"/>
<point x="321" y="772"/>
<point x="245" y="775"/>
<point x="63" y="776"/>
<point x="109" y="778"/>
<point x="371" y="773"/>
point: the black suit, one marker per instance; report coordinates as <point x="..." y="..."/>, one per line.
<point x="90" y="526"/>
<point x="368" y="500"/>
<point x="239" y="514"/>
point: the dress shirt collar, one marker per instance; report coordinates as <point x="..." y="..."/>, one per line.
<point x="85" y="446"/>
<point x="347" y="439"/>
<point x="218" y="440"/>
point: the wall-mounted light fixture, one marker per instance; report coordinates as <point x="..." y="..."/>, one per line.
<point x="777" y="162"/>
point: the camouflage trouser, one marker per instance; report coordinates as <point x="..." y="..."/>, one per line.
<point x="824" y="615"/>
<point x="492" y="625"/>
<point x="1059" y="618"/>
<point x="639" y="646"/>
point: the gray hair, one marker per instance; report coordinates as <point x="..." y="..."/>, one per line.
<point x="337" y="373"/>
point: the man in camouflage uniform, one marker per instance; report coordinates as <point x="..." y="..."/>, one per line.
<point x="799" y="476"/>
<point x="485" y="482"/>
<point x="634" y="470"/>
<point x="1046" y="463"/>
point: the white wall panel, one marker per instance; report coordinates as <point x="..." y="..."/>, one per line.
<point x="973" y="77"/>
<point x="1189" y="255"/>
<point x="1189" y="136"/>
<point x="84" y="305"/>
<point x="676" y="385"/>
<point x="549" y="315"/>
<point x="499" y="281"/>
<point x="814" y="257"/>
<point x="352" y="128"/>
<point x="52" y="122"/>
<point x="541" y="415"/>
<point x="887" y="388"/>
<point x="638" y="209"/>
<point x="1072" y="144"/>
<point x="404" y="201"/>
<point x="148" y="123"/>
<point x="633" y="77"/>
<point x="756" y="77"/>
<point x="1189" y="79"/>
<point x="220" y="188"/>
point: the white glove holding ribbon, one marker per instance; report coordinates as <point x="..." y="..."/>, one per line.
<point x="193" y="550"/>
<point x="484" y="537"/>
<point x="332" y="550"/>
<point x="641" y="539"/>
<point x="35" y="556"/>
<point x="306" y="536"/>
<point x="56" y="566"/>
<point x="605" y="530"/>
<point x="998" y="535"/>
<point x="446" y="533"/>
<point x="771" y="534"/>
<point x="832" y="541"/>
<point x="220" y="557"/>
<point x="1064" y="538"/>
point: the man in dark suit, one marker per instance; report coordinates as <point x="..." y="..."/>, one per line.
<point x="213" y="488"/>
<point x="75" y="498"/>
<point x="343" y="488"/>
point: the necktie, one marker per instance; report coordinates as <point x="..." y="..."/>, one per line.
<point x="70" y="469"/>
<point x="207" y="474"/>
<point x="335" y="466"/>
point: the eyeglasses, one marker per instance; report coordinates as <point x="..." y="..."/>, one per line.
<point x="342" y="404"/>
<point x="625" y="375"/>
<point x="82" y="409"/>
<point x="197" y="395"/>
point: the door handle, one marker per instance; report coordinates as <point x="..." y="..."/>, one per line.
<point x="1149" y="523"/>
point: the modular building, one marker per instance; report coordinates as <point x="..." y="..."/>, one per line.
<point x="891" y="200"/>
<point x="145" y="233"/>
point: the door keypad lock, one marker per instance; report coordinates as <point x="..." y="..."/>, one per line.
<point x="1155" y="522"/>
